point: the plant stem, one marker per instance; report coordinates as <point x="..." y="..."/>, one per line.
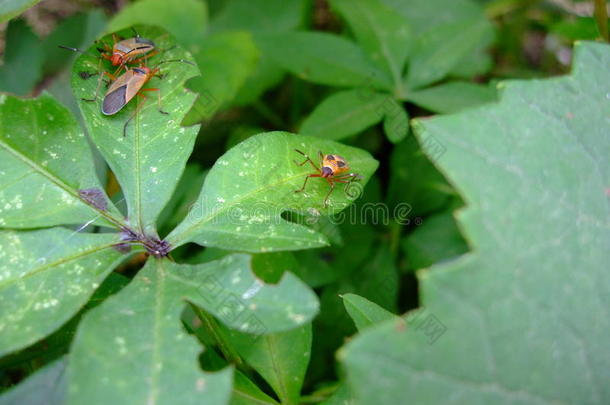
<point x="601" y="18"/>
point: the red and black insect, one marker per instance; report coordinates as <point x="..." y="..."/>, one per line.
<point x="333" y="168"/>
<point x="128" y="85"/>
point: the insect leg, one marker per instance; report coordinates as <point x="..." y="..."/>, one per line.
<point x="305" y="183"/>
<point x="308" y="159"/>
<point x="138" y="108"/>
<point x="332" y="187"/>
<point x="99" y="83"/>
<point x="158" y="98"/>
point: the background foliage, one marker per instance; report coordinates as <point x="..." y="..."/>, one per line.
<point x="468" y="264"/>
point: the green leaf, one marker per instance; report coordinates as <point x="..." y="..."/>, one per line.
<point x="149" y="155"/>
<point x="341" y="396"/>
<point x="12" y="8"/>
<point x="187" y="21"/>
<point x="281" y="359"/>
<point x="46" y="386"/>
<point x="251" y="185"/>
<point x="22" y="68"/>
<point x="437" y="239"/>
<point x="47" y="174"/>
<point x="46" y="276"/>
<point x="229" y="290"/>
<point x="139" y="349"/>
<point x="385" y="35"/>
<point x="438" y="51"/>
<point x="245" y="392"/>
<point x="395" y="121"/>
<point x="323" y="58"/>
<point x="363" y="312"/>
<point x="345" y="113"/>
<point x="524" y="314"/>
<point x="453" y="96"/>
<point x="260" y="16"/>
<point x="451" y="35"/>
<point x="226" y="61"/>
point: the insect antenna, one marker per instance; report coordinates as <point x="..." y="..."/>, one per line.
<point x="69" y="48"/>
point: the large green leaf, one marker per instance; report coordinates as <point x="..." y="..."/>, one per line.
<point x="47" y="174"/>
<point x="525" y="315"/>
<point x="228" y="289"/>
<point x="186" y="22"/>
<point x="323" y="58"/>
<point x="226" y="60"/>
<point x="345" y="113"/>
<point x="280" y="358"/>
<point x="251" y="185"/>
<point x="46" y="276"/>
<point x="385" y="35"/>
<point x="149" y="156"/>
<point x="139" y="350"/>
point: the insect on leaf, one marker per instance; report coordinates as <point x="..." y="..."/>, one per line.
<point x="249" y="188"/>
<point x="147" y="155"/>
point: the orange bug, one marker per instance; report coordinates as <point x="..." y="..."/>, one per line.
<point x="333" y="168"/>
<point x="127" y="51"/>
<point x="124" y="51"/>
<point x="127" y="86"/>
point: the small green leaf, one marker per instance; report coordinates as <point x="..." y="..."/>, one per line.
<point x="437" y="239"/>
<point x="46" y="386"/>
<point x="363" y="312"/>
<point x="395" y="121"/>
<point x="245" y="392"/>
<point x="46" y="276"/>
<point x="149" y="154"/>
<point x="437" y="51"/>
<point x="251" y="185"/>
<point x="12" y="8"/>
<point x="453" y="96"/>
<point x="259" y="17"/>
<point x="323" y="58"/>
<point x="226" y="61"/>
<point x="186" y="22"/>
<point x="139" y="349"/>
<point x="345" y="113"/>
<point x="281" y="359"/>
<point x="452" y="35"/>
<point x="23" y="58"/>
<point x="341" y="396"/>
<point x="385" y="35"/>
<point x="228" y="289"/>
<point x="47" y="174"/>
